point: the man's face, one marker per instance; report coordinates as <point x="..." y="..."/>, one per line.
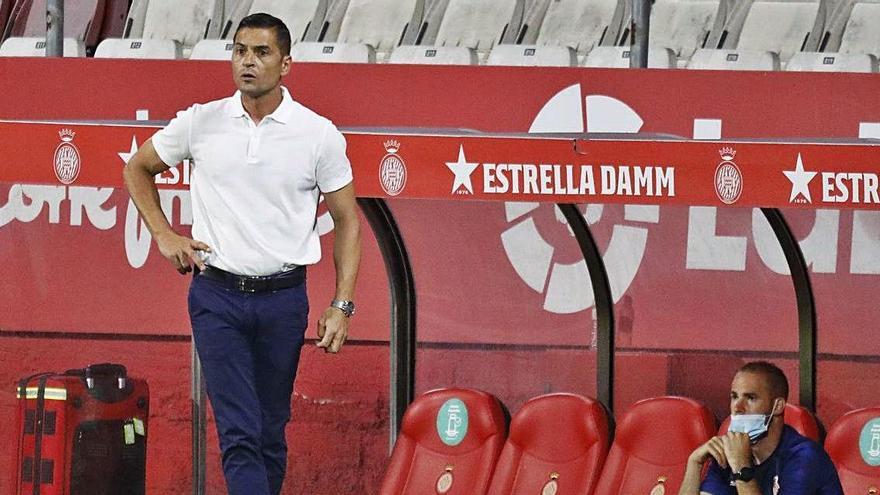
<point x="750" y="394"/>
<point x="257" y="62"/>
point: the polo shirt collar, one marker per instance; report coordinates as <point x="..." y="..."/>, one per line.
<point x="282" y="114"/>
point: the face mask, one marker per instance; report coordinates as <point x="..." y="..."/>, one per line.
<point x="755" y="425"/>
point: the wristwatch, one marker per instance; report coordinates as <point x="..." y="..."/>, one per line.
<point x="745" y="474"/>
<point x="347" y="307"/>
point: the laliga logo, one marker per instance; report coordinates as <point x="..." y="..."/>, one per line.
<point x="67" y="161"/>
<point x="728" y="178"/>
<point x="565" y="283"/>
<point x="392" y="170"/>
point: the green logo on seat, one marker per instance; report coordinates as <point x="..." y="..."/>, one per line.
<point x="452" y="422"/>
<point x="869" y="442"/>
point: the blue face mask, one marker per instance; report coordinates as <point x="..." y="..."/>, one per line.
<point x="755" y="425"/>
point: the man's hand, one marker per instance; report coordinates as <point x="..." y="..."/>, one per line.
<point x="738" y="450"/>
<point x="713" y="448"/>
<point x="332" y="329"/>
<point x="181" y="251"/>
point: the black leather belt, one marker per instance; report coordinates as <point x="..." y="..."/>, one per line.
<point x="244" y="283"/>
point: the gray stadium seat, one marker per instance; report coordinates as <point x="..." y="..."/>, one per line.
<point x="707" y="58"/>
<point x="477" y="24"/>
<point x="297" y="15"/>
<point x="618" y="57"/>
<point x="681" y="25"/>
<point x="434" y="55"/>
<point x="862" y="31"/>
<point x="183" y="21"/>
<point x="357" y="32"/>
<point x="533" y="56"/>
<point x="139" y="48"/>
<point x="832" y="62"/>
<point x="212" y="50"/>
<point x="778" y="26"/>
<point x="36" y="47"/>
<point x="378" y="23"/>
<point x="575" y="23"/>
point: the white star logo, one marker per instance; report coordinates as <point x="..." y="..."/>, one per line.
<point x="462" y="170"/>
<point x="800" y="182"/>
<point x="127" y="156"/>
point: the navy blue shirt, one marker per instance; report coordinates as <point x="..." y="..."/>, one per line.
<point x="798" y="466"/>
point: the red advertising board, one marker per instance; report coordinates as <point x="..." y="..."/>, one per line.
<point x="675" y="269"/>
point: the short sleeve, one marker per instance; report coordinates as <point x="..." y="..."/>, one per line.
<point x="333" y="170"/>
<point x="172" y="141"/>
<point x="717" y="482"/>
<point x="808" y="470"/>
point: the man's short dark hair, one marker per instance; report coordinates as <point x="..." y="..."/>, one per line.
<point x="266" y="21"/>
<point x="775" y="377"/>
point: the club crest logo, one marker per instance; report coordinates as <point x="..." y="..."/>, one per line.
<point x="392" y="170"/>
<point x="728" y="178"/>
<point x="67" y="160"/>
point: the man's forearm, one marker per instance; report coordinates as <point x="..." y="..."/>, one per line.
<point x="690" y="485"/>
<point x="142" y="188"/>
<point x="347" y="255"/>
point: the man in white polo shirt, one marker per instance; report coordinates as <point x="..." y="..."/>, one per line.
<point x="260" y="162"/>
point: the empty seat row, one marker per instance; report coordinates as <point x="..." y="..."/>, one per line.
<point x="501" y="55"/>
<point x="455" y="441"/>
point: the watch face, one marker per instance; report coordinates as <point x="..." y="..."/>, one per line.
<point x="347" y="307"/>
<point x="745" y="474"/>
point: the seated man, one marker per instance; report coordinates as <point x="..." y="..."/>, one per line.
<point x="760" y="454"/>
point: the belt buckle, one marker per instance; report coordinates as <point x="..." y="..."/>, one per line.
<point x="243" y="285"/>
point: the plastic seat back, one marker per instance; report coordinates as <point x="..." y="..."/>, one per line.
<point x="139" y="48"/>
<point x="651" y="446"/>
<point x="832" y="62"/>
<point x="557" y="439"/>
<point x="36" y="47"/>
<point x="618" y="57"/>
<point x="212" y="50"/>
<point x="433" y="55"/>
<point x="532" y="56"/>
<point x="314" y="51"/>
<point x="853" y="443"/>
<point x="449" y="442"/>
<point x="799" y="418"/>
<point x="718" y="59"/>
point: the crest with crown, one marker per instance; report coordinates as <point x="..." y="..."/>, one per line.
<point x="727" y="153"/>
<point x="66" y="135"/>
<point x="392" y="145"/>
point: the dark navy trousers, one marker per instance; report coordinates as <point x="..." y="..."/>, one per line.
<point x="249" y="346"/>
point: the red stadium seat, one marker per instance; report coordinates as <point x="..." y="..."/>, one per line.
<point x="799" y="418"/>
<point x="449" y="442"/>
<point x="558" y="439"/>
<point x="652" y="444"/>
<point x="82" y="20"/>
<point x="5" y="8"/>
<point x="854" y="446"/>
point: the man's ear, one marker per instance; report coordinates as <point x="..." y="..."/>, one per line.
<point x="778" y="406"/>
<point x="285" y="65"/>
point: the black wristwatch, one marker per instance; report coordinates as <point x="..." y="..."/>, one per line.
<point x="347" y="307"/>
<point x="745" y="474"/>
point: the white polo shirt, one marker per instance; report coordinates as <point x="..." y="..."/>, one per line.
<point x="255" y="188"/>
